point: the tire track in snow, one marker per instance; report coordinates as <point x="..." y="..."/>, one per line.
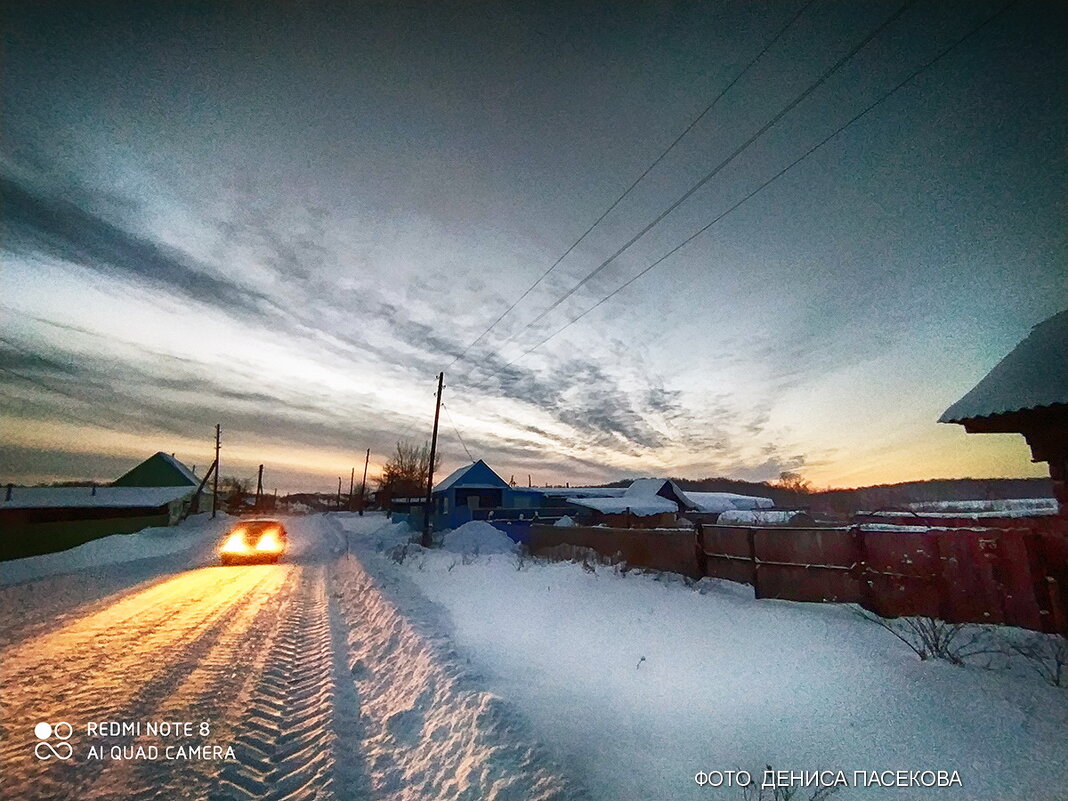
<point x="289" y="747"/>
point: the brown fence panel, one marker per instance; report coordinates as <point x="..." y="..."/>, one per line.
<point x="970" y="592"/>
<point x="727" y="553"/>
<point x="672" y="550"/>
<point x="1012" y="570"/>
<point x="903" y="573"/>
<point x="1048" y="560"/>
<point x="801" y="564"/>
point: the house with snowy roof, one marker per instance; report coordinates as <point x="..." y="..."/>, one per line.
<point x="1027" y="393"/>
<point x="471" y="492"/>
<point x="657" y="502"/>
<point x="160" y="491"/>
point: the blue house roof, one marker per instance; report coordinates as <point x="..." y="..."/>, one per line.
<point x="476" y="475"/>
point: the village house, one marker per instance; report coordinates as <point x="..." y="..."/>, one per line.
<point x="160" y="491"/>
<point x="1027" y="393"/>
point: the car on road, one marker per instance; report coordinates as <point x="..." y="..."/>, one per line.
<point x="254" y="541"/>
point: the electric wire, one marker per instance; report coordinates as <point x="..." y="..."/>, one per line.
<point x="722" y="164"/>
<point x="778" y="35"/>
<point x="455" y="429"/>
<point x="908" y="79"/>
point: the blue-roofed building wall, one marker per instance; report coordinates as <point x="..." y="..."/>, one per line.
<point x="476" y="492"/>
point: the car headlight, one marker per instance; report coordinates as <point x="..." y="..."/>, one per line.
<point x="269" y="543"/>
<point x="235" y="543"/>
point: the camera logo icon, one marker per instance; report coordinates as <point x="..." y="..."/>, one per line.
<point x="46" y="748"/>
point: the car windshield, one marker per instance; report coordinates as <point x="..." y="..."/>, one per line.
<point x="254" y="528"/>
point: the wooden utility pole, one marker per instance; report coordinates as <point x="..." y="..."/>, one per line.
<point x="259" y="487"/>
<point x="352" y="486"/>
<point x="427" y="518"/>
<point x="363" y="484"/>
<point x="339" y="493"/>
<point x="215" y="487"/>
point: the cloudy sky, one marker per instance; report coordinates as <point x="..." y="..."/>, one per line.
<point x="287" y="218"/>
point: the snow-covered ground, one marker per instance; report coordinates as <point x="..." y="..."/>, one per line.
<point x="636" y="683"/>
<point x="364" y="666"/>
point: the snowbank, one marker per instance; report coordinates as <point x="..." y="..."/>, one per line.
<point x="143" y="544"/>
<point x="478" y="537"/>
<point x="564" y="522"/>
<point x="428" y="729"/>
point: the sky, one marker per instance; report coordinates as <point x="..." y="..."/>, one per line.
<point x="288" y="218"/>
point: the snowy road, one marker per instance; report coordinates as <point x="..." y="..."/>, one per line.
<point x="246" y="650"/>
<point x="265" y="660"/>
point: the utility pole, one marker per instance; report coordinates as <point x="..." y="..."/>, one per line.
<point x="352" y="485"/>
<point x="427" y="519"/>
<point x="363" y="484"/>
<point x="339" y="493"/>
<point x="215" y="488"/>
<point x="259" y="487"/>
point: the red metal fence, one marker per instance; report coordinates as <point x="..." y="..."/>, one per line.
<point x="1016" y="577"/>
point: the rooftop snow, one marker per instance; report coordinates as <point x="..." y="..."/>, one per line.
<point x="580" y="492"/>
<point x="642" y="506"/>
<point x="1034" y="374"/>
<point x="723" y="501"/>
<point x="83" y="497"/>
<point x="756" y="517"/>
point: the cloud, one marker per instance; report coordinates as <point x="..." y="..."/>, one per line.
<point x="38" y="223"/>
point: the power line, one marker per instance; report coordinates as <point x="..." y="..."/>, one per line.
<point x="719" y="167"/>
<point x="922" y="68"/>
<point x="455" y="429"/>
<point x="636" y="181"/>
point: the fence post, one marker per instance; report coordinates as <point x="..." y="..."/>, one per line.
<point x="756" y="563"/>
<point x="860" y="547"/>
<point x="699" y="544"/>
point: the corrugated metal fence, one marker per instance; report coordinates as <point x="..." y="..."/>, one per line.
<point x="1016" y="577"/>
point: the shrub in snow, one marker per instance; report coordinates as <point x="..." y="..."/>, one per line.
<point x="758" y="792"/>
<point x="478" y="537"/>
<point x="1046" y="654"/>
<point x="931" y="638"/>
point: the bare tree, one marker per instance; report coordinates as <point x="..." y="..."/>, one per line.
<point x="405" y="473"/>
<point x="798" y="487"/>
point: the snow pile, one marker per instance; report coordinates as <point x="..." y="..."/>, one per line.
<point x="564" y="522"/>
<point x="478" y="537"/>
<point x="143" y="544"/>
<point x="426" y="729"/>
<point x="375" y="528"/>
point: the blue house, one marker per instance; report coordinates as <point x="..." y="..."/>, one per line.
<point x="475" y="492"/>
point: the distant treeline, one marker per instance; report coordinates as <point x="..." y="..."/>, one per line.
<point x="881" y="496"/>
